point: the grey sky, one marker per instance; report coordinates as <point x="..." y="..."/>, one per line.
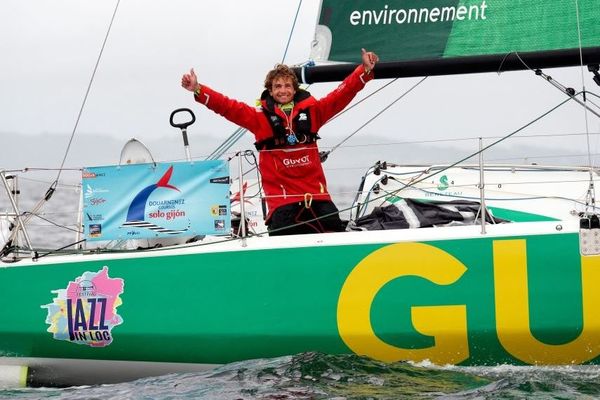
<point x="49" y="48"/>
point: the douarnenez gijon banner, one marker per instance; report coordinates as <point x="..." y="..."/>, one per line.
<point x="406" y="30"/>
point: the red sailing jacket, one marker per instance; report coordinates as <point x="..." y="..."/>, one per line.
<point x="290" y="173"/>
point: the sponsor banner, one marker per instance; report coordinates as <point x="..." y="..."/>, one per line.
<point x="406" y="30"/>
<point x="144" y="201"/>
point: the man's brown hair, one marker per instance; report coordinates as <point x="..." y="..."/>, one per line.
<point x="281" y="71"/>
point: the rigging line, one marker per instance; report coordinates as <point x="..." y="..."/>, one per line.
<point x="570" y="92"/>
<point x="527" y="183"/>
<point x="54" y="184"/>
<point x="566" y="90"/>
<point x="363" y="99"/>
<point x="479" y="151"/>
<point x="227" y="143"/>
<point x="88" y="90"/>
<point x="524" y="196"/>
<point x="589" y="149"/>
<point x="593" y="94"/>
<point x="230" y="141"/>
<point x="591" y="194"/>
<point x="45" y="182"/>
<point x="562" y="88"/>
<point x="291" y="32"/>
<point x="31" y="169"/>
<point x="238" y="133"/>
<point x="542" y="157"/>
<point x="377" y="115"/>
<point x="461" y="139"/>
<point x="38" y="256"/>
<point x="52" y="222"/>
<point x="394" y="192"/>
<point x="589" y="101"/>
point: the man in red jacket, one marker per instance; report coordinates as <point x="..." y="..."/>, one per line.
<point x="285" y="127"/>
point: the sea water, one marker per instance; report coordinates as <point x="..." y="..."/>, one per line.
<point x="320" y="376"/>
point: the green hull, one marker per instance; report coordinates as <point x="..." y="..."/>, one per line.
<point x="487" y="300"/>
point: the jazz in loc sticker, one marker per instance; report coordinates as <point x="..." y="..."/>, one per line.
<point x="86" y="311"/>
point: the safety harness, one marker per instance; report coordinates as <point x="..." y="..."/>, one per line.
<point x="284" y="135"/>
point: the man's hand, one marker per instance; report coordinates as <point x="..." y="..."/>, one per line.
<point x="189" y="81"/>
<point x="369" y="60"/>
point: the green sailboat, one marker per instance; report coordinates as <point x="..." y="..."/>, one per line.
<point x="513" y="281"/>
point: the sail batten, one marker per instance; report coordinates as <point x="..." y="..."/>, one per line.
<point x="438" y="37"/>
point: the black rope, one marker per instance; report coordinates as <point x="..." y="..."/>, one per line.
<point x="37" y="256"/>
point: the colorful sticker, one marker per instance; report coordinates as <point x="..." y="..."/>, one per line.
<point x="86" y="311"/>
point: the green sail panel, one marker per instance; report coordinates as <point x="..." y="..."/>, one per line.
<point x="409" y="30"/>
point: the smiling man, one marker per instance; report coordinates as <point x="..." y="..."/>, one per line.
<point x="286" y="128"/>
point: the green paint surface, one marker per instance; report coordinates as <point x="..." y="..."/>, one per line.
<point x="222" y="307"/>
<point x="405" y="30"/>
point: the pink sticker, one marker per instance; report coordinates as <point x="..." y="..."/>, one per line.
<point x="86" y="311"/>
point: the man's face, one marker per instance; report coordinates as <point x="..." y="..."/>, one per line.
<point x="282" y="90"/>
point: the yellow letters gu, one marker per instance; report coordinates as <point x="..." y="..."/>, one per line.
<point x="447" y="324"/>
<point x="512" y="309"/>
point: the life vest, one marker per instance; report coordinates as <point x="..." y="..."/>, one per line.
<point x="280" y="132"/>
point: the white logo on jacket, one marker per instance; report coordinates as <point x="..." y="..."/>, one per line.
<point x="296" y="162"/>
